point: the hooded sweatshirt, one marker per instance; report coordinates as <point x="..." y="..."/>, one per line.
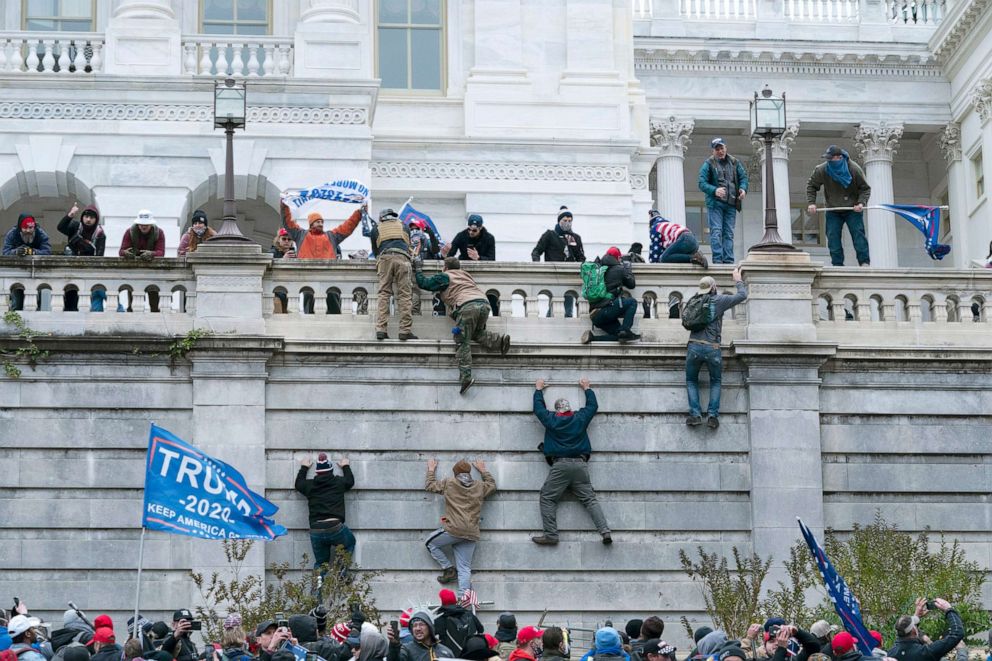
<point x="325" y="493"/>
<point x="414" y="651"/>
<point x="710" y="643"/>
<point x="323" y="245"/>
<point x="462" y="504"/>
<point x="84" y="240"/>
<point x="374" y="646"/>
<point x="39" y="244"/>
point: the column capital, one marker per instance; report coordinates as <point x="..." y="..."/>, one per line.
<point x="672" y="135"/>
<point x="981" y="99"/>
<point x="878" y="141"/>
<point x="781" y="146"/>
<point x="949" y="141"/>
<point x="144" y="9"/>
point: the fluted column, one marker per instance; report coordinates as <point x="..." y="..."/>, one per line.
<point x="982" y="100"/>
<point x="144" y="9"/>
<point x="877" y="143"/>
<point x="949" y="141"/>
<point x="329" y="11"/>
<point x="781" y="148"/>
<point x="672" y="137"/>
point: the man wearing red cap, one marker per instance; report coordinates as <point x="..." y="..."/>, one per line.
<point x="105" y="647"/>
<point x="528" y="645"/>
<point x="325" y="500"/>
<point x="26" y="238"/>
<point x="605" y="313"/>
<point x="454" y="625"/>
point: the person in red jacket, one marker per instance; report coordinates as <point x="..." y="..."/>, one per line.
<point x="143" y="240"/>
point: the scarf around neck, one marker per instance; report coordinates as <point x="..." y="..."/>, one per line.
<point x="840" y="171"/>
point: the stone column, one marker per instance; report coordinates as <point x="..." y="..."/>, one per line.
<point x="781" y="148"/>
<point x="672" y="137"/>
<point x="337" y="11"/>
<point x="981" y="99"/>
<point x="498" y="35"/>
<point x="950" y="144"/>
<point x="333" y="40"/>
<point x="877" y="144"/>
<point x="143" y="39"/>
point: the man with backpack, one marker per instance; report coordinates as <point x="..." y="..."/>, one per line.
<point x="454" y="625"/>
<point x="602" y="285"/>
<point x="703" y="317"/>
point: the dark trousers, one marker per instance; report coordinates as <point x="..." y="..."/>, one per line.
<point x="325" y="543"/>
<point x="607" y="319"/>
<point x="569" y="474"/>
<point x="856" y="226"/>
<point x="681" y="250"/>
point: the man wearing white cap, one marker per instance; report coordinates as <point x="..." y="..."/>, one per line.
<point x="22" y="633"/>
<point x="143" y="240"/>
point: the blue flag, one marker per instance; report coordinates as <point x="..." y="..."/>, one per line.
<point x="190" y="493"/>
<point x="845" y="603"/>
<point x="925" y="219"/>
<point x="408" y="213"/>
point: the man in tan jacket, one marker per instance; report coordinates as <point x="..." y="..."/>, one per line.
<point x="463" y="496"/>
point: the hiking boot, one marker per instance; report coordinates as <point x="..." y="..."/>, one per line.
<point x="544" y="540"/>
<point x="713" y="422"/>
<point x="466" y="385"/>
<point x="586" y="337"/>
<point x="504" y="345"/>
<point x="449" y="575"/>
<point x="607" y="539"/>
<point x="628" y="336"/>
<point x="381" y="335"/>
<point x="694" y="420"/>
<point x="408" y="336"/>
<point x="698" y="259"/>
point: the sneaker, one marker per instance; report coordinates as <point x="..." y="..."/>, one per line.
<point x="607" y="539"/>
<point x="694" y="420"/>
<point x="466" y="385"/>
<point x="408" y="336"/>
<point x="381" y="335"/>
<point x="504" y="345"/>
<point x="586" y="337"/>
<point x="713" y="422"/>
<point x="698" y="259"/>
<point x="544" y="540"/>
<point x="449" y="575"/>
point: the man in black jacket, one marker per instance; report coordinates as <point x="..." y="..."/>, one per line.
<point x="909" y="644"/>
<point x="325" y="499"/>
<point x="606" y="313"/>
<point x="454" y="624"/>
<point x="560" y="244"/>
<point x="473" y="243"/>
<point x="178" y="643"/>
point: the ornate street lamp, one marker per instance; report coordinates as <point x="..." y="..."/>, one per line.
<point x="767" y="123"/>
<point x="230" y="112"/>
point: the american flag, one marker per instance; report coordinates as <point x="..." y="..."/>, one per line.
<point x="469" y="598"/>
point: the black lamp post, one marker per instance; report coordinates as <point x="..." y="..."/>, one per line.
<point x="230" y="112"/>
<point x="767" y="123"/>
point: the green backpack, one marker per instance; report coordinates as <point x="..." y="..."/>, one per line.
<point x="594" y="282"/>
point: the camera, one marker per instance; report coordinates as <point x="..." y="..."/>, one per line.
<point x="774" y="629"/>
<point x="930" y="605"/>
<point x="281" y="621"/>
<point x="195" y="625"/>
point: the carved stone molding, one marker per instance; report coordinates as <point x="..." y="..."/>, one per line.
<point x="672" y="135"/>
<point x="878" y="142"/>
<point x="949" y="141"/>
<point x="505" y="171"/>
<point x="981" y="99"/>
<point x="801" y="64"/>
<point x="178" y="113"/>
<point x="963" y="25"/>
<point x="638" y="181"/>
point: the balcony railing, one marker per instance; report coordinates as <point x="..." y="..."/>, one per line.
<point x="822" y="11"/>
<point x="51" y="52"/>
<point x="238" y="56"/>
<point x="924" y="13"/>
<point x="719" y="10"/>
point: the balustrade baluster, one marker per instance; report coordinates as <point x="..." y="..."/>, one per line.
<point x="206" y="65"/>
<point x="3" y="55"/>
<point x="57" y="302"/>
<point x="284" y="59"/>
<point x="269" y="63"/>
<point x="888" y="310"/>
<point x="253" y="60"/>
<point x="320" y="303"/>
<point x="837" y="307"/>
<point x="64" y="60"/>
<point x="139" y="301"/>
<point x="79" y="61"/>
<point x="189" y="58"/>
<point x="48" y="62"/>
<point x="293" y="302"/>
<point x="113" y="299"/>
<point x="32" y="61"/>
<point x="96" y="59"/>
<point x="4" y="301"/>
<point x="237" y="62"/>
<point x="30" y="299"/>
<point x="222" y="64"/>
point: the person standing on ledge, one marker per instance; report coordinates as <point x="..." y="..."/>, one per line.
<point x="391" y="246"/>
<point x="844" y="185"/>
<point x="567" y="449"/>
<point x="724" y="181"/>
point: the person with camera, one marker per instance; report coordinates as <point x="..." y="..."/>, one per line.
<point x="724" y="181"/>
<point x="606" y="313"/>
<point x="424" y="646"/>
<point x="178" y="643"/>
<point x="271" y="635"/>
<point x="910" y="645"/>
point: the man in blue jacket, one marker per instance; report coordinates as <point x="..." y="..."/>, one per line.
<point x="567" y="448"/>
<point x="724" y="181"/>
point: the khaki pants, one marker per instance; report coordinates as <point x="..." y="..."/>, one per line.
<point x="471" y="319"/>
<point x="394" y="280"/>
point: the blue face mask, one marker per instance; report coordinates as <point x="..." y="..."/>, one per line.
<point x="840" y="172"/>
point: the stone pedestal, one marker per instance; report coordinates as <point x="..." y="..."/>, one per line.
<point x="672" y="137"/>
<point x="143" y="39"/>
<point x="780" y="297"/>
<point x="229" y="287"/>
<point x="333" y="41"/>
<point x="878" y="144"/>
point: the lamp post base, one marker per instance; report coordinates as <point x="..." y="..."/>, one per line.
<point x="772" y="242"/>
<point x="229" y="232"/>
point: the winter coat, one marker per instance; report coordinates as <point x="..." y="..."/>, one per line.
<point x="565" y="435"/>
<point x="835" y="195"/>
<point x="484" y="243"/>
<point x="111" y="652"/>
<point x="462" y="507"/>
<point x="182" y="649"/>
<point x="277" y="252"/>
<point x="374" y="646"/>
<point x="521" y="654"/>
<point x="84" y="241"/>
<point x="555" y="248"/>
<point x="190" y="241"/>
<point x="25" y="652"/>
<point x="133" y="238"/>
<point x="914" y="649"/>
<point x="617" y="276"/>
<point x="414" y="651"/>
<point x="327" y="244"/>
<point x="325" y="493"/>
<point x="506" y="648"/>
<point x="455" y="624"/>
<point x="713" y="331"/>
<point x="709" y="181"/>
<point x="39" y="244"/>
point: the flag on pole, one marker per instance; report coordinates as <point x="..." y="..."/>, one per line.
<point x="190" y="493"/>
<point x="340" y="190"/>
<point x="845" y="603"/>
<point x="925" y="219"/>
<point x="408" y="213"/>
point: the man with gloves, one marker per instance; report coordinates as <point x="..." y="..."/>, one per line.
<point x="844" y="185"/>
<point x="26" y="239"/>
<point x="143" y="240"/>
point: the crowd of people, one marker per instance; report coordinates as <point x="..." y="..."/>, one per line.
<point x="452" y="630"/>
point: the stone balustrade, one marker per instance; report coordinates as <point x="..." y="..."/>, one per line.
<point x="822" y="11"/>
<point x="915" y="12"/>
<point x="238" y="56"/>
<point x="51" y="52"/>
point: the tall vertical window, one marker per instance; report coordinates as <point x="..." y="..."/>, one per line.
<point x="236" y="16"/>
<point x="979" y="170"/>
<point x="59" y="15"/>
<point x="805" y="228"/>
<point x="410" y="38"/>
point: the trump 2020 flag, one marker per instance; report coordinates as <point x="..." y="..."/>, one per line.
<point x="408" y="213"/>
<point x="925" y="219"/>
<point x="845" y="603"/>
<point x="190" y="493"/>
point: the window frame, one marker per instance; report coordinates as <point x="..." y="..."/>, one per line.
<point x="410" y="91"/>
<point x="25" y="17"/>
<point x="978" y="187"/>
<point x="821" y="230"/>
<point x="201" y="24"/>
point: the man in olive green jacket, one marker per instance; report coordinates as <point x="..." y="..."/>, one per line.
<point x="463" y="496"/>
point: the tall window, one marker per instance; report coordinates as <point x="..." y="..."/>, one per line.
<point x="59" y="15"/>
<point x="236" y="17"/>
<point x="979" y="169"/>
<point x="805" y="228"/>
<point x="410" y="37"/>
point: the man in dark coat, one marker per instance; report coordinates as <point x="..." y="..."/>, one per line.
<point x="424" y="646"/>
<point x="567" y="448"/>
<point x="910" y="645"/>
<point x="325" y="499"/>
<point x="560" y="244"/>
<point x="26" y="239"/>
<point x="455" y="624"/>
<point x="178" y="642"/>
<point x="86" y="237"/>
<point x="474" y="242"/>
<point x="606" y="313"/>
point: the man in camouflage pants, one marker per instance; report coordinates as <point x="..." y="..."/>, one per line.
<point x="391" y="245"/>
<point x="470" y="309"/>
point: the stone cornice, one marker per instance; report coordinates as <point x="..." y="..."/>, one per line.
<point x="498" y="171"/>
<point x="146" y="112"/>
<point x="957" y="25"/>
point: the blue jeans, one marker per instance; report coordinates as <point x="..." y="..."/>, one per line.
<point x="607" y="318"/>
<point x="696" y="356"/>
<point x="324" y="544"/>
<point x="681" y="250"/>
<point x="722" y="219"/>
<point x="856" y="226"/>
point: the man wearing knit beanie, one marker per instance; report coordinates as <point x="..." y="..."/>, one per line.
<point x="197" y="233"/>
<point x="325" y="500"/>
<point x="560" y="244"/>
<point x="463" y="497"/>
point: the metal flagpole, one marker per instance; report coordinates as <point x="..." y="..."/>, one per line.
<point x="875" y="207"/>
<point x="137" y="591"/>
<point x="406" y="204"/>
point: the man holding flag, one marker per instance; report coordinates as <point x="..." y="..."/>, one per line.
<point x="844" y="185"/>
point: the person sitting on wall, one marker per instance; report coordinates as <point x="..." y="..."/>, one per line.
<point x="143" y="240"/>
<point x="197" y="233"/>
<point x="606" y="313"/>
<point x="86" y="236"/>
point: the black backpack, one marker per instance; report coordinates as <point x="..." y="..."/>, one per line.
<point x="699" y="312"/>
<point x="456" y="630"/>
